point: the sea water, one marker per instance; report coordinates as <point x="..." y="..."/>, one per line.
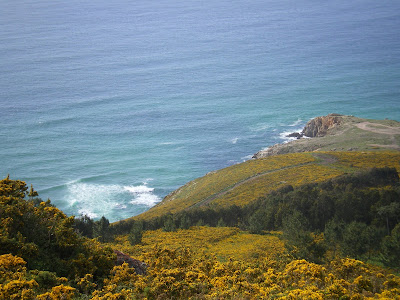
<point x="108" y="106"/>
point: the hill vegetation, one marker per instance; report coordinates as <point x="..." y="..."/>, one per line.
<point x="310" y="225"/>
<point x="244" y="183"/>
<point x="312" y="241"/>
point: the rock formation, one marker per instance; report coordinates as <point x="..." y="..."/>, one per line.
<point x="139" y="266"/>
<point x="319" y="126"/>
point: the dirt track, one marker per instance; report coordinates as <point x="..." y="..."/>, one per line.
<point x="378" y="128"/>
<point x="381" y="129"/>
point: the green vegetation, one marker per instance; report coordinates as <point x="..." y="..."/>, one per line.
<point x="321" y="225"/>
<point x="244" y="183"/>
<point x="356" y="213"/>
<point x="39" y="241"/>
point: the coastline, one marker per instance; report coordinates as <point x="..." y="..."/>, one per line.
<point x="336" y="132"/>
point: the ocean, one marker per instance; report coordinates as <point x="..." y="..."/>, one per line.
<point x="108" y="106"/>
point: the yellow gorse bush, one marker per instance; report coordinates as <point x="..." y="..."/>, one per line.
<point x="368" y="159"/>
<point x="226" y="263"/>
<point x="185" y="269"/>
<point x="182" y="273"/>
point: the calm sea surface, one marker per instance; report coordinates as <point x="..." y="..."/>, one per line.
<point x="108" y="106"/>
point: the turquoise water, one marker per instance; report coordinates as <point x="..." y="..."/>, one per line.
<point x="108" y="106"/>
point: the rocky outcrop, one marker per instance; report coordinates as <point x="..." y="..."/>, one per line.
<point x="319" y="126"/>
<point x="139" y="266"/>
<point x="296" y="135"/>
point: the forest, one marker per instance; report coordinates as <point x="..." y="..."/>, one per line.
<point x="335" y="239"/>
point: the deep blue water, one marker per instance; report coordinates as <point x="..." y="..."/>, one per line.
<point x="107" y="106"/>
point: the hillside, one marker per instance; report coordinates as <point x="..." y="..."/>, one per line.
<point x="340" y="144"/>
<point x="244" y="183"/>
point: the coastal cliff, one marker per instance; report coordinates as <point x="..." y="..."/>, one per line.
<point x="320" y="126"/>
<point x="336" y="132"/>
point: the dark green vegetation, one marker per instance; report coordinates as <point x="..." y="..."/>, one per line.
<point x="46" y="238"/>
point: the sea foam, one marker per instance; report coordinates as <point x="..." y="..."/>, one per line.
<point x="142" y="195"/>
<point x="96" y="200"/>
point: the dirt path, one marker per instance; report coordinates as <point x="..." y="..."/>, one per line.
<point x="382" y="129"/>
<point x="378" y="128"/>
<point x="325" y="159"/>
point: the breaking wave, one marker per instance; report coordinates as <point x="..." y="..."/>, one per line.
<point x="96" y="200"/>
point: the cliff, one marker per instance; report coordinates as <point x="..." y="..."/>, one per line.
<point x="320" y="126"/>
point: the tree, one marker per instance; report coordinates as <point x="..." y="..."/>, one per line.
<point x="333" y="234"/>
<point x="184" y="222"/>
<point x="391" y="248"/>
<point x="354" y="241"/>
<point x="389" y="212"/>
<point x="169" y="223"/>
<point x="256" y="222"/>
<point x="136" y="233"/>
<point x="301" y="242"/>
<point x="84" y="225"/>
<point x="101" y="229"/>
<point x="221" y="223"/>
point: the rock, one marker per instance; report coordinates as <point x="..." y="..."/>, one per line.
<point x="139" y="266"/>
<point x="297" y="135"/>
<point x="319" y="126"/>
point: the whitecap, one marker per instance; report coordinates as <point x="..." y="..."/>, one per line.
<point x="167" y="143"/>
<point x="143" y="194"/>
<point x="90" y="214"/>
<point x="284" y="135"/>
<point x="96" y="200"/>
<point x="260" y="127"/>
<point x="120" y="206"/>
<point x="148" y="199"/>
<point x="296" y="123"/>
<point x="140" y="189"/>
<point x="246" y="158"/>
<point x="146" y="181"/>
<point x="234" y="140"/>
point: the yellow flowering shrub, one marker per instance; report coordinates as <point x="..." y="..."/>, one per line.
<point x="11" y="268"/>
<point x="13" y="281"/>
<point x="246" y="182"/>
<point x="206" y="188"/>
<point x="262" y="185"/>
<point x="223" y="263"/>
<point x="60" y="292"/>
<point x="368" y="159"/>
